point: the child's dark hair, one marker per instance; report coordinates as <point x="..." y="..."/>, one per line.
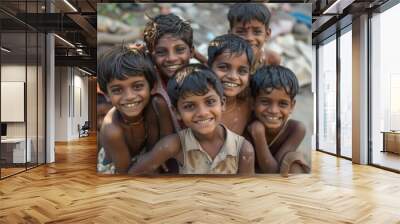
<point x="193" y="79"/>
<point x="272" y="77"/>
<point x="122" y="62"/>
<point x="245" y="12"/>
<point x="167" y="24"/>
<point x="229" y="43"/>
<point x="101" y="99"/>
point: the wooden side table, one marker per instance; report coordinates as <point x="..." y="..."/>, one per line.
<point x="391" y="141"/>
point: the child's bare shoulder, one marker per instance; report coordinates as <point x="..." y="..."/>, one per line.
<point x="170" y="146"/>
<point x="247" y="149"/>
<point x="159" y="101"/>
<point x="111" y="127"/>
<point x="296" y="126"/>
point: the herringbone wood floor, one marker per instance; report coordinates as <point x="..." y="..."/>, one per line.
<point x="69" y="191"/>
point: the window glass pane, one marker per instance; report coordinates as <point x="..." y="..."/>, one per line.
<point x="15" y="150"/>
<point x="385" y="89"/>
<point x="327" y="97"/>
<point x="346" y="94"/>
<point x="31" y="96"/>
<point x="41" y="98"/>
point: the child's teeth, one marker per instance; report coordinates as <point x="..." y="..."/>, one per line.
<point x="272" y="118"/>
<point x="131" y="104"/>
<point x="173" y="67"/>
<point x="229" y="84"/>
<point x="204" y="121"/>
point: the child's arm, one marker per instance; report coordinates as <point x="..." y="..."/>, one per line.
<point x="114" y="144"/>
<point x="296" y="136"/>
<point x="200" y="57"/>
<point x="164" y="116"/>
<point x="267" y="162"/>
<point x="265" y="159"/>
<point x="166" y="148"/>
<point x="246" y="159"/>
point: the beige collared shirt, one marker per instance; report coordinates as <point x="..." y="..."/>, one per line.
<point x="197" y="161"/>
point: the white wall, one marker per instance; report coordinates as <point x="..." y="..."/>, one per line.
<point x="71" y="94"/>
<point x="14" y="73"/>
<point x="61" y="103"/>
<point x="50" y="96"/>
<point x="33" y="126"/>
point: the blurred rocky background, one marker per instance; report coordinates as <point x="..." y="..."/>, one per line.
<point x="291" y="38"/>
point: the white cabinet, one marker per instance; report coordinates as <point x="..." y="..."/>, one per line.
<point x="16" y="148"/>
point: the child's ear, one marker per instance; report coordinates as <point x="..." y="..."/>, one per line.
<point x="223" y="103"/>
<point x="175" y="111"/>
<point x="107" y="98"/>
<point x="268" y="33"/>
<point x="293" y="104"/>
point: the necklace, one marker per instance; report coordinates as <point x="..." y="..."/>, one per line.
<point x="279" y="133"/>
<point x="135" y="122"/>
<point x="132" y="123"/>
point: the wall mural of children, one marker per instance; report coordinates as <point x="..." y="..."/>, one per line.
<point x="228" y="115"/>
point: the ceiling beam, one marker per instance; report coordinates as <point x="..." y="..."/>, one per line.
<point x="84" y="24"/>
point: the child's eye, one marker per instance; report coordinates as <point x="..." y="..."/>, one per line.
<point x="188" y="106"/>
<point x="116" y="91"/>
<point x="264" y="102"/>
<point x="284" y="104"/>
<point x="240" y="31"/>
<point x="244" y="71"/>
<point x="138" y="86"/>
<point x="160" y="53"/>
<point x="211" y="102"/>
<point x="181" y="50"/>
<point x="222" y="67"/>
<point x="257" y="32"/>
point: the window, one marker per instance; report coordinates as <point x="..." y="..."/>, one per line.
<point x="327" y="97"/>
<point x="385" y="85"/>
<point x="346" y="94"/>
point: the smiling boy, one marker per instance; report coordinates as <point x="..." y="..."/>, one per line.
<point x="169" y="40"/>
<point x="276" y="136"/>
<point x="206" y="146"/>
<point x="230" y="57"/>
<point x="133" y="124"/>
<point x="251" y="22"/>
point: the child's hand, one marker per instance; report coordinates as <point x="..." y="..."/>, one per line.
<point x="138" y="45"/>
<point x="256" y="129"/>
<point x="200" y="57"/>
<point x="164" y="167"/>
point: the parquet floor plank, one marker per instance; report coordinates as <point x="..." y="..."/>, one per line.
<point x="70" y="191"/>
